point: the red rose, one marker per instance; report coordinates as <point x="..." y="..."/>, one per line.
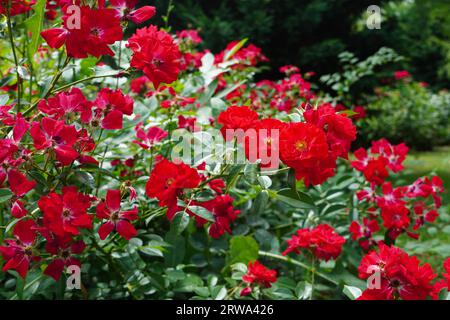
<point x="400" y="275"/>
<point x="259" y="274"/>
<point x="237" y="117"/>
<point x="117" y="219"/>
<point x="156" y="54"/>
<point x="167" y="181"/>
<point x="322" y="241"/>
<point x="97" y="29"/>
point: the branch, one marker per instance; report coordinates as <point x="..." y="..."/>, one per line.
<point x="297" y="263"/>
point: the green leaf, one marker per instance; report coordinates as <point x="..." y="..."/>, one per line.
<point x="243" y="249"/>
<point x="444" y="294"/>
<point x="189" y="284"/>
<point x="218" y="104"/>
<point x="175" y="254"/>
<point x="251" y="172"/>
<point x="202" y="291"/>
<point x="260" y="202"/>
<point x="5" y="195"/>
<point x="34" y="25"/>
<point x="229" y="89"/>
<point x="202" y="213"/>
<point x="292" y="182"/>
<point x="236" y="48"/>
<point x="219" y="293"/>
<point x="296" y="199"/>
<point x="3" y="99"/>
<point x="265" y="181"/>
<point x="303" y="290"/>
<point x="179" y="222"/>
<point x="85" y="178"/>
<point x="348" y="112"/>
<point x="151" y="251"/>
<point x="352" y="292"/>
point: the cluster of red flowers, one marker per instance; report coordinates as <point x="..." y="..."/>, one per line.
<point x="60" y="135"/>
<point x="401" y="74"/>
<point x="156" y="54"/>
<point x="293" y="91"/>
<point x="188" y="41"/>
<point x="17" y="6"/>
<point x="190" y="36"/>
<point x="91" y="35"/>
<point x="322" y="241"/>
<point x="375" y="162"/>
<point x="284" y="95"/>
<point x="96" y="28"/>
<point x="310" y="147"/>
<point x="64" y="215"/>
<point x="402" y="209"/>
<point x="247" y="56"/>
<point x="168" y="182"/>
<point x="106" y="110"/>
<point x="392" y="274"/>
<point x="258" y="274"/>
<point x="125" y="11"/>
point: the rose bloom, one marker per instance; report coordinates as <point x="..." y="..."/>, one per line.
<point x="259" y="274"/>
<point x="156" y="54"/>
<point x="322" y="241"/>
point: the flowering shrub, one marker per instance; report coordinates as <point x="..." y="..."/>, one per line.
<point x="407" y="111"/>
<point x="161" y="171"/>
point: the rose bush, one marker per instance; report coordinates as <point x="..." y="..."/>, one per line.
<point x="164" y="171"/>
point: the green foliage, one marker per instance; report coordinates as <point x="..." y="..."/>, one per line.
<point x="409" y="113"/>
<point x="354" y="70"/>
<point x="308" y="34"/>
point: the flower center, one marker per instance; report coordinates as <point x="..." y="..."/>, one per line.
<point x="301" y="145"/>
<point x="66" y="213"/>
<point x="169" y="182"/>
<point x="395" y="283"/>
<point x="95" y="32"/>
<point x="114" y="216"/>
<point x="65" y="254"/>
<point x="157" y="62"/>
<point x="28" y="251"/>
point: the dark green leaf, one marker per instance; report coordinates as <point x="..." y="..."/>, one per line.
<point x="202" y="213"/>
<point x="243" y="249"/>
<point x="296" y="199"/>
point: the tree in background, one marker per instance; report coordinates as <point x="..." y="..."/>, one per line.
<point x="311" y="33"/>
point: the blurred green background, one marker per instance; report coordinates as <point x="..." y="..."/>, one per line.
<point x="311" y="33"/>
